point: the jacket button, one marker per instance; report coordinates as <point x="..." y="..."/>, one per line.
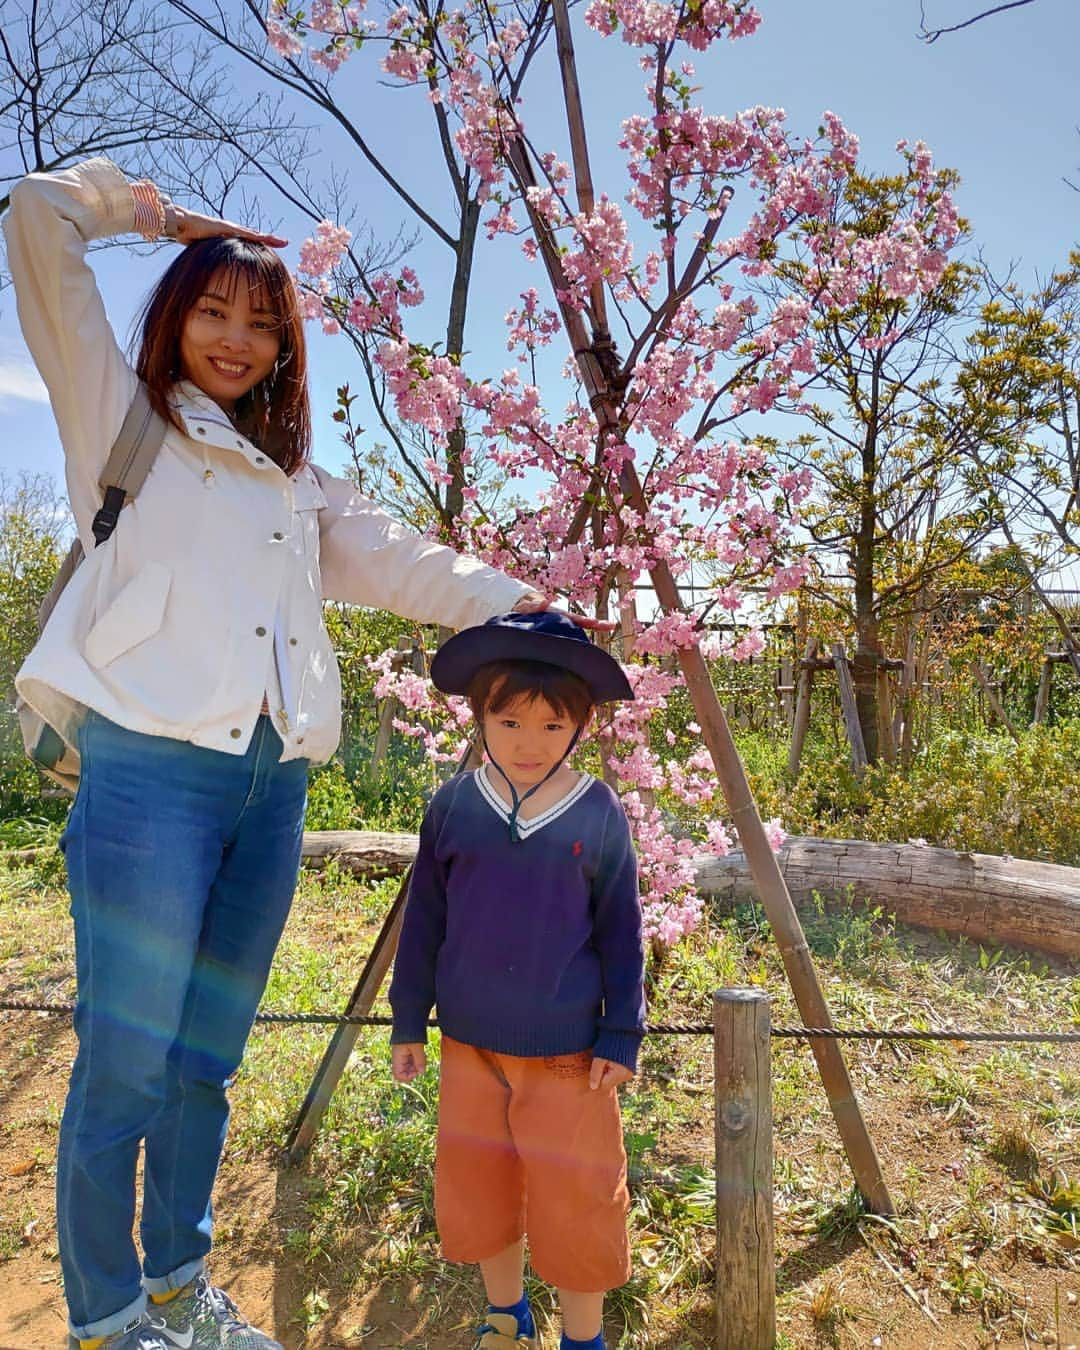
<point x="235" y="733"/>
<point x="239" y="445"/>
<point x="201" y="431"/>
<point x="299" y="740"/>
<point x="208" y="476"/>
<point x="260" y="459"/>
<point x="278" y="535"/>
<point x="260" y="631"/>
<point x="292" y="642"/>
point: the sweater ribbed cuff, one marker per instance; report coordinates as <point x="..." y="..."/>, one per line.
<point x="620" y="1046"/>
<point x="409" y="1033"/>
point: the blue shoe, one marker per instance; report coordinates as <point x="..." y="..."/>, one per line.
<point x="202" y="1317"/>
<point x="500" y="1332"/>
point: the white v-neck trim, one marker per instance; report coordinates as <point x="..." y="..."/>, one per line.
<point x="526" y="827"/>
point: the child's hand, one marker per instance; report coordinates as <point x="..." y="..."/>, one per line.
<point x="407" y="1062"/>
<point x="606" y="1073"/>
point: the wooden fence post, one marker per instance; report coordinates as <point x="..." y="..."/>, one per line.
<point x="389" y="708"/>
<point x="745" y="1270"/>
<point x="996" y="705"/>
<point x="886" y="740"/>
<point x="802" y="707"/>
<point x="785" y="688"/>
<point x="850" y="710"/>
<point x="1046" y="683"/>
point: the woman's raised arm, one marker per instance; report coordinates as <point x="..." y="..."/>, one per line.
<point x="52" y="219"/>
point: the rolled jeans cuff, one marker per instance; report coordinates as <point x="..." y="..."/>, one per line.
<point x="165" y="1284"/>
<point x="107" y="1326"/>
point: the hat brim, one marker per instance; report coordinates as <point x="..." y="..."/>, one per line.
<point x="461" y="656"/>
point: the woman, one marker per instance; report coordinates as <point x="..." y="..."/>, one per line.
<point x="188" y="660"/>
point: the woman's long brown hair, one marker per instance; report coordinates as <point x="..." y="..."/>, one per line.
<point x="276" y="414"/>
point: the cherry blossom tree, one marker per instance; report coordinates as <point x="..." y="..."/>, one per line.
<point x="640" y="472"/>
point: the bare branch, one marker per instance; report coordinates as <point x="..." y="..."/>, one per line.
<point x="929" y="35"/>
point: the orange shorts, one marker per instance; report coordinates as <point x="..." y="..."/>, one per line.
<point x="526" y="1147"/>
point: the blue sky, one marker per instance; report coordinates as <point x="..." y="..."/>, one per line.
<point x="997" y="102"/>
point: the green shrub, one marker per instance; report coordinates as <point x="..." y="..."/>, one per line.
<point x="985" y="794"/>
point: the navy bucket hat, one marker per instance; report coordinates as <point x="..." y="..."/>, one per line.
<point x="552" y="638"/>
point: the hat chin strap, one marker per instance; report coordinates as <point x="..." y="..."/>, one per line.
<point x="518" y="802"/>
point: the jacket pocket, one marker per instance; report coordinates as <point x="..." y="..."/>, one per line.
<point x="134" y="615"/>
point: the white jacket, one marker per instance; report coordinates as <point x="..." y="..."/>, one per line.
<point x="169" y="627"/>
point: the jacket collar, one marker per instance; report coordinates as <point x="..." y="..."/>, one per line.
<point x="208" y="424"/>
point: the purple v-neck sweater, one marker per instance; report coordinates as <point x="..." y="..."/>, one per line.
<point x="530" y="948"/>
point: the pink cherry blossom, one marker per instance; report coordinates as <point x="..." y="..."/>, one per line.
<point x="736" y="342"/>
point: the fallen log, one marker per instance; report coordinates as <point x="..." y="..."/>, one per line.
<point x="362" y="852"/>
<point x="981" y="896"/>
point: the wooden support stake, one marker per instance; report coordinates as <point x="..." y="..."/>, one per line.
<point x="886" y="740"/>
<point x="785" y="687"/>
<point x="1042" y="699"/>
<point x="850" y="710"/>
<point x="344" y="1038"/>
<point x="389" y="709"/>
<point x="745" y="1272"/>
<point x="996" y="705"/>
<point x="802" y="708"/>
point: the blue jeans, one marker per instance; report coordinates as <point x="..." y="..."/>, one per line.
<point x="181" y="864"/>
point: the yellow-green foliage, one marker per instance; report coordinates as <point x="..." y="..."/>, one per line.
<point x="979" y="793"/>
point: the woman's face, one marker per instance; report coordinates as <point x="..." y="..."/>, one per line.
<point x="229" y="341"/>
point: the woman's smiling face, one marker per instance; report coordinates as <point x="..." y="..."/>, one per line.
<point x="229" y="341"/>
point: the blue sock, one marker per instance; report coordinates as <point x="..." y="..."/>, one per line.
<point x="522" y="1312"/>
<point x="597" y="1343"/>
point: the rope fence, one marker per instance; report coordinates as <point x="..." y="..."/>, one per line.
<point x="660" y="1029"/>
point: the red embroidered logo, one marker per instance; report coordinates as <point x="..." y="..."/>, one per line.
<point x="578" y="846"/>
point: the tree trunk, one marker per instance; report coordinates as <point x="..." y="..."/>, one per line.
<point x="455" y="345"/>
<point x="864" y="664"/>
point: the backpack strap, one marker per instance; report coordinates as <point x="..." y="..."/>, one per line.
<point x="133" y="452"/>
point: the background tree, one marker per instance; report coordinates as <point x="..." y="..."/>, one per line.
<point x="1020" y="391"/>
<point x="34" y="526"/>
<point x="118" y="79"/>
<point x="889" y="512"/>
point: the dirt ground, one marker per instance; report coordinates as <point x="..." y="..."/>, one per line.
<point x="264" y="1199"/>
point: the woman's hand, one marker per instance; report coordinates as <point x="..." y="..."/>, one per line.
<point x="407" y="1061"/>
<point x="192" y="225"/>
<point x="532" y="602"/>
<point x="607" y="1073"/>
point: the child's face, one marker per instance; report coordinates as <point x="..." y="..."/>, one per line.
<point x="527" y="738"/>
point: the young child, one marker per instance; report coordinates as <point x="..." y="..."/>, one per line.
<point x="523" y="924"/>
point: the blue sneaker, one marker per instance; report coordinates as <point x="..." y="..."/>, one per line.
<point x="500" y="1332"/>
<point x="202" y="1317"/>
